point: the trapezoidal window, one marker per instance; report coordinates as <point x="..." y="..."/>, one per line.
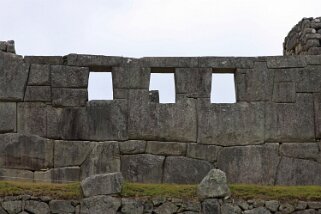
<point x="100" y="86"/>
<point x="223" y="88"/>
<point x="165" y="84"/>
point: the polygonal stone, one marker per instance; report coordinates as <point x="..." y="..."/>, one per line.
<point x="36" y="207"/>
<point x="69" y="97"/>
<point x="58" y="175"/>
<point x="166" y="148"/>
<point x="132" y="147"/>
<point x="301" y="150"/>
<point x="183" y="170"/>
<point x="237" y="162"/>
<point x="272" y="205"/>
<point x="202" y="151"/>
<point x="69" y="77"/>
<point x="39" y="75"/>
<point x="104" y="158"/>
<point x="131" y="206"/>
<point x="298" y="172"/>
<point x="101" y="204"/>
<point x="166" y="208"/>
<point x="12" y="207"/>
<point x="258" y="210"/>
<point x="211" y="206"/>
<point x="16" y="175"/>
<point x="230" y="124"/>
<point x="61" y="206"/>
<point x="38" y="93"/>
<point x="102" y="184"/>
<point x="25" y="152"/>
<point x="143" y="168"/>
<point x="8" y="117"/>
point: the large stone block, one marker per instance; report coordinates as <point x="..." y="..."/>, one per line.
<point x="308" y="79"/>
<point x="202" y="151"/>
<point x="166" y="122"/>
<point x="39" y="74"/>
<point x="226" y="62"/>
<point x="104" y="158"/>
<point x="301" y="150"/>
<point x="38" y="93"/>
<point x="250" y="164"/>
<point x="71" y="153"/>
<point x="25" y="152"/>
<point x="95" y="62"/>
<point x="230" y="124"/>
<point x="101" y="204"/>
<point x="36" y="207"/>
<point x="58" y="175"/>
<point x="144" y="168"/>
<point x="48" y="60"/>
<point x="183" y="170"/>
<point x="284" y="92"/>
<point x="13" y="77"/>
<point x="32" y="119"/>
<point x="132" y="147"/>
<point x="193" y="82"/>
<point x="69" y="97"/>
<point x="133" y="77"/>
<point x="298" y="172"/>
<point x="317" y="114"/>
<point x="69" y="77"/>
<point x="290" y="121"/>
<point x="8" y="118"/>
<point x="16" y="175"/>
<point x="166" y="148"/>
<point x="61" y="206"/>
<point x="286" y="62"/>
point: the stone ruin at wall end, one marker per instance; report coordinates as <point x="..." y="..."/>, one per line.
<point x="50" y="132"/>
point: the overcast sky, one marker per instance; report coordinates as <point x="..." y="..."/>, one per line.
<point x="136" y="28"/>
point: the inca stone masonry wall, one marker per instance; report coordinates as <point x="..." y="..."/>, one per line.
<point x="50" y="132"/>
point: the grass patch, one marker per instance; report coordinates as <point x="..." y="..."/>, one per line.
<point x="56" y="191"/>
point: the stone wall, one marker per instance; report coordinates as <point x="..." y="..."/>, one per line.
<point x="304" y="38"/>
<point x="50" y="132"/>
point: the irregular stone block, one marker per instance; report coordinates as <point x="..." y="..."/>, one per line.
<point x="32" y="118"/>
<point x="280" y="125"/>
<point x="58" y="175"/>
<point x="166" y="122"/>
<point x="230" y="124"/>
<point x="165" y="148"/>
<point x="38" y="93"/>
<point x="61" y="206"/>
<point x="13" y="77"/>
<point x="36" y="207"/>
<point x="183" y="170"/>
<point x="12" y="207"/>
<point x="298" y="172"/>
<point x="100" y="204"/>
<point x="131" y="206"/>
<point x="95" y="62"/>
<point x="71" y="153"/>
<point x="301" y="150"/>
<point x="16" y="175"/>
<point x="167" y="207"/>
<point x="104" y="158"/>
<point x="8" y="117"/>
<point x="102" y="184"/>
<point x="39" y="75"/>
<point x="226" y="62"/>
<point x="69" y="97"/>
<point x="25" y="152"/>
<point x="202" y="151"/>
<point x="131" y="77"/>
<point x="69" y="77"/>
<point x="258" y="210"/>
<point x="213" y="185"/>
<point x="272" y="205"/>
<point x="237" y="162"/>
<point x="132" y="147"/>
<point x="286" y="61"/>
<point x="284" y="92"/>
<point x="193" y="82"/>
<point x="211" y="206"/>
<point x="48" y="60"/>
<point x="144" y="168"/>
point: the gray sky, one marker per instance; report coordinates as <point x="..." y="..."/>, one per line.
<point x="136" y="28"/>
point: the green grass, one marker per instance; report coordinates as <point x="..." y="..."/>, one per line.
<point x="243" y="191"/>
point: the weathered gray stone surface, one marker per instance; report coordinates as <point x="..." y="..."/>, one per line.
<point x="226" y="62"/>
<point x="185" y="170"/>
<point x="100" y="205"/>
<point x="39" y="74"/>
<point x="61" y="206"/>
<point x="284" y="92"/>
<point x="48" y="60"/>
<point x="69" y="97"/>
<point x="317" y="114"/>
<point x="12" y="207"/>
<point x="211" y="206"/>
<point x="259" y="210"/>
<point x="230" y="124"/>
<point x="301" y="151"/>
<point x="166" y="208"/>
<point x="202" y="151"/>
<point x="104" y="158"/>
<point x="166" y="148"/>
<point x="286" y="61"/>
<point x="25" y="152"/>
<point x="237" y="162"/>
<point x="272" y="205"/>
<point x="95" y="62"/>
<point x="36" y="207"/>
<point x="69" y="76"/>
<point x="8" y="113"/>
<point x="308" y="80"/>
<point x="102" y="184"/>
<point x="131" y="206"/>
<point x="38" y="93"/>
<point x="71" y="153"/>
<point x="58" y="175"/>
<point x="132" y="147"/>
<point x="293" y="171"/>
<point x="144" y="168"/>
<point x="213" y="185"/>
<point x="133" y="77"/>
<point x="16" y="174"/>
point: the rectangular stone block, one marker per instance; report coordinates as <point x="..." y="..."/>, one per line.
<point x="161" y="61"/>
<point x="226" y="62"/>
<point x="13" y="77"/>
<point x="230" y="124"/>
<point x="193" y="82"/>
<point x="69" y="77"/>
<point x="28" y="152"/>
<point x="202" y="151"/>
<point x="16" y="175"/>
<point x="32" y="118"/>
<point x="48" y="60"/>
<point x="58" y="175"/>
<point x="38" y="93"/>
<point x="8" y="118"/>
<point x="290" y="121"/>
<point x="133" y="77"/>
<point x="93" y="61"/>
<point x="286" y="62"/>
<point x="39" y="74"/>
<point x="317" y="114"/>
<point x="284" y="92"/>
<point x="69" y="97"/>
<point x="132" y="147"/>
<point x="239" y="165"/>
<point x="166" y="148"/>
<point x="308" y="80"/>
<point x="301" y="150"/>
